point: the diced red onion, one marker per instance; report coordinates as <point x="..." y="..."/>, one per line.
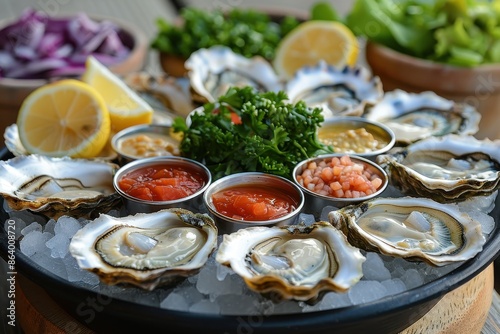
<point x="31" y="69"/>
<point x="38" y="46"/>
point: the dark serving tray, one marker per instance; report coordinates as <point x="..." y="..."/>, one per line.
<point x="387" y="315"/>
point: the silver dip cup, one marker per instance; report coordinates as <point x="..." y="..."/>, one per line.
<point x="228" y="225"/>
<point x="192" y="202"/>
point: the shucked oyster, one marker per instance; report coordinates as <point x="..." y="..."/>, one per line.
<point x="338" y="92"/>
<point x="213" y="71"/>
<point x="446" y="169"/>
<point x="58" y="186"/>
<point x="413" y="228"/>
<point x="145" y="250"/>
<point x="416" y="116"/>
<point x="292" y="262"/>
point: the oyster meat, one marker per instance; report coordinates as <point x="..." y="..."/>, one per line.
<point x="343" y="92"/>
<point x="146" y="249"/>
<point x="292" y="262"/>
<point x="414" y="116"/>
<point x="58" y="186"/>
<point x="451" y="168"/>
<point x="213" y="71"/>
<point x="418" y="229"/>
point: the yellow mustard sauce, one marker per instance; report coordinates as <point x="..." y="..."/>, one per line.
<point x="148" y="145"/>
<point x="344" y="139"/>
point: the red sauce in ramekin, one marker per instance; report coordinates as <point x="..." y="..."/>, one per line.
<point x="253" y="203"/>
<point x="161" y="183"/>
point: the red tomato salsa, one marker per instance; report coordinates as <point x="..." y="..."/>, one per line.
<point x="161" y="183"/>
<point x="253" y="203"/>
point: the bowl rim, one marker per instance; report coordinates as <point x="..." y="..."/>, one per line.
<point x="385" y="179"/>
<point x="258" y="175"/>
<point x="404" y="58"/>
<point x="359" y="119"/>
<point x="131" y="166"/>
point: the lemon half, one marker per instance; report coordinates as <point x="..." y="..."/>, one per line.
<point x="65" y="118"/>
<point x="313" y="41"/>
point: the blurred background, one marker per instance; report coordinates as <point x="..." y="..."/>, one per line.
<point x="143" y="15"/>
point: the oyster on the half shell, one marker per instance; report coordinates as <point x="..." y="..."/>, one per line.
<point x="339" y="92"/>
<point x="146" y="249"/>
<point x="214" y="70"/>
<point x="58" y="186"/>
<point x="292" y="262"/>
<point x="414" y="116"/>
<point x="417" y="229"/>
<point x="451" y="168"/>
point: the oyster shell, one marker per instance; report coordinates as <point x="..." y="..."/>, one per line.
<point x="146" y="249"/>
<point x="342" y="92"/>
<point x="58" y="186"/>
<point x="212" y="71"/>
<point x="16" y="147"/>
<point x="169" y="96"/>
<point x="447" y="169"/>
<point x="292" y="262"/>
<point x="416" y="116"/>
<point x="417" y="229"/>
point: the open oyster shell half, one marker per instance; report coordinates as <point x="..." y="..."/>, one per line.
<point x="451" y="168"/>
<point x="292" y="262"/>
<point x="58" y="186"/>
<point x="146" y="249"/>
<point x="414" y="116"/>
<point x="214" y="70"/>
<point x="339" y="92"/>
<point x="16" y="147"/>
<point x="417" y="229"/>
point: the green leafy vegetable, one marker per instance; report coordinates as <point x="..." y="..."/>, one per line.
<point x="324" y="11"/>
<point x="247" y="32"/>
<point x="272" y="136"/>
<point x="458" y="32"/>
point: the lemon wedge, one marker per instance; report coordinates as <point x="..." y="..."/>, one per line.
<point x="126" y="107"/>
<point x="313" y="41"/>
<point x="65" y="118"/>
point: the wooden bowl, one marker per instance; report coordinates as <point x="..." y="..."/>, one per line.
<point x="478" y="86"/>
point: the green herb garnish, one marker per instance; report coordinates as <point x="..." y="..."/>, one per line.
<point x="272" y="136"/>
<point x="246" y="32"/>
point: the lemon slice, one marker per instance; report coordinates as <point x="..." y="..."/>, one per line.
<point x="126" y="107"/>
<point x="65" y="118"/>
<point x="313" y="41"/>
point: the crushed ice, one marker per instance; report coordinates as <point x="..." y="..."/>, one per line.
<point x="217" y="289"/>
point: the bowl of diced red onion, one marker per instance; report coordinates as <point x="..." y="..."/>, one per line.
<point x="36" y="48"/>
<point x="337" y="180"/>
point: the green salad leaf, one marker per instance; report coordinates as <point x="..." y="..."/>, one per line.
<point x="457" y="32"/>
<point x="269" y="134"/>
<point x="324" y="11"/>
<point x="246" y="32"/>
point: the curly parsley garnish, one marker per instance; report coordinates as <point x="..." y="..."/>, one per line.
<point x="246" y="32"/>
<point x="249" y="131"/>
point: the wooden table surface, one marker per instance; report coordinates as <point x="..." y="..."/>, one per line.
<point x="143" y="14"/>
